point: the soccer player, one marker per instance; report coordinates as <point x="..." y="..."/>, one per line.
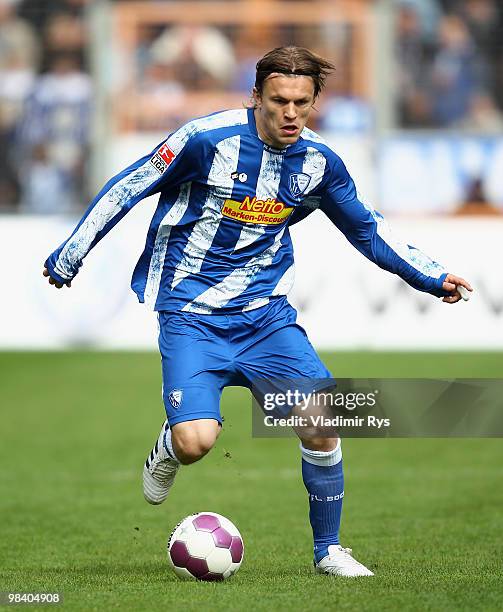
<point x="218" y="264"/>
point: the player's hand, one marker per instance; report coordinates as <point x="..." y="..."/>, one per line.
<point x="54" y="282"/>
<point x="451" y="284"/>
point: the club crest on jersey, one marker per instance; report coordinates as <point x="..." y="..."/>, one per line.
<point x="298" y="183"/>
<point x="175" y="398"/>
<point x="162" y="158"/>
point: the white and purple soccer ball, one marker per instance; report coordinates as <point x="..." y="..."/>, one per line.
<point x="205" y="546"/>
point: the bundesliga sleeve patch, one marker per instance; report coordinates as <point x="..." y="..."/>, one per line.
<point x="162" y="158"/>
<point x="261" y="212"/>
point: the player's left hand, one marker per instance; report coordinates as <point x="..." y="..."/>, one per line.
<point x="53" y="281"/>
<point x="450" y="284"/>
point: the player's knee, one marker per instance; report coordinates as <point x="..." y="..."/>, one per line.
<point x="189" y="447"/>
<point x="321" y="444"/>
<point x="194" y="440"/>
<point x="317" y="438"/>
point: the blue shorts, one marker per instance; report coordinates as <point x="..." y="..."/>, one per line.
<point x="202" y="354"/>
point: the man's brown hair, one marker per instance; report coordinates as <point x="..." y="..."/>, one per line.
<point x="293" y="60"/>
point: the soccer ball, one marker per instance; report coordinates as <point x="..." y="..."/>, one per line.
<point x="205" y="546"/>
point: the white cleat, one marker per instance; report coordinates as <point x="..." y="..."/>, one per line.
<point x="159" y="471"/>
<point x="339" y="562"/>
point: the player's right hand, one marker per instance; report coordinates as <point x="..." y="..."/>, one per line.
<point x="54" y="282"/>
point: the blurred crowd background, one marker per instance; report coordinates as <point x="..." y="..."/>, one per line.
<point x="46" y="98"/>
<point x="447" y="75"/>
<point x="450" y="58"/>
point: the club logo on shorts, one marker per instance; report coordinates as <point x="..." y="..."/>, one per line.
<point x="175" y="398"/>
<point x="298" y="183"/>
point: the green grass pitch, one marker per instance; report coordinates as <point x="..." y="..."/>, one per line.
<point x="424" y="514"/>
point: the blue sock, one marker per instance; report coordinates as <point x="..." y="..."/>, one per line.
<point x="324" y="481"/>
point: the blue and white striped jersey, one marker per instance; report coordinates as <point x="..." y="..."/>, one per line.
<point x="219" y="239"/>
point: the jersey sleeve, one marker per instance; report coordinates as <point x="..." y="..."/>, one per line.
<point x="367" y="230"/>
<point x="174" y="161"/>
